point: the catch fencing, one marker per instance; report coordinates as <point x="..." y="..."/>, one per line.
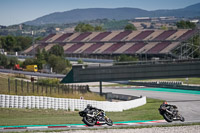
<point x="41" y="102"/>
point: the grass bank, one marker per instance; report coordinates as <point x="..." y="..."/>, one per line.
<point x="10" y="117"/>
<point x="190" y="80"/>
<point x="40" y="90"/>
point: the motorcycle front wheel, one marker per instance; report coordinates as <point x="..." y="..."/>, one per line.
<point x="182" y="119"/>
<point x="109" y="122"/>
<point x="89" y="121"/>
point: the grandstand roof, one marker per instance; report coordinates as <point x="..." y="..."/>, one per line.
<point x="116" y="42"/>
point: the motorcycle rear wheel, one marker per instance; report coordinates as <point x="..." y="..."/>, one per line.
<point x="89" y="121"/>
<point x="168" y="117"/>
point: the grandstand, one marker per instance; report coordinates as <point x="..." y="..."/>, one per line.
<point x="154" y="43"/>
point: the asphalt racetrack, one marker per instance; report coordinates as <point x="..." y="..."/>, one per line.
<point x="188" y="102"/>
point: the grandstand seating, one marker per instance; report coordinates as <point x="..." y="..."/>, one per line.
<point x="157" y="48"/>
<point x="120" y="36"/>
<point x="81" y="37"/>
<point x="103" y="48"/>
<point x="49" y="46"/>
<point x="170" y="47"/>
<point x="73" y="48"/>
<point x="113" y="47"/>
<point x="100" y="36"/>
<point x="66" y="46"/>
<point x="73" y="36"/>
<point x="124" y="48"/>
<point x="142" y="35"/>
<point x="92" y="48"/>
<point x="176" y="35"/>
<point x="186" y="35"/>
<point x="63" y="37"/>
<point x="165" y="35"/>
<point x="43" y="45"/>
<point x="116" y="42"/>
<point x="134" y="48"/>
<point x="83" y="48"/>
<point x="88" y="38"/>
<point x="110" y="36"/>
<point x="29" y="50"/>
<point x="48" y="37"/>
<point x="147" y="47"/>
<point x="153" y="35"/>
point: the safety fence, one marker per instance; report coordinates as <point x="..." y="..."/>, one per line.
<point x="40" y="102"/>
<point x="21" y="87"/>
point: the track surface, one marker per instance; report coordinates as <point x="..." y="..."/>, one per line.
<point x="188" y="104"/>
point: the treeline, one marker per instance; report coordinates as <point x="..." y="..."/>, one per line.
<point x="7" y="62"/>
<point x="185" y="25"/>
<point x="15" y="43"/>
<point x="54" y="58"/>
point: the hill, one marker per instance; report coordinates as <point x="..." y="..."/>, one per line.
<point x="78" y="15"/>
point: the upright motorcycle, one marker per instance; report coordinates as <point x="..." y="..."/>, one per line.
<point x="170" y="113"/>
<point x="93" y="116"/>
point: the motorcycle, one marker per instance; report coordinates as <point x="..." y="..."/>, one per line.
<point x="170" y="113"/>
<point x="95" y="116"/>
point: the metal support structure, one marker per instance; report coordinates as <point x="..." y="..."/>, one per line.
<point x="100" y="88"/>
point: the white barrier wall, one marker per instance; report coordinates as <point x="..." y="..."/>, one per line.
<point x="40" y="102"/>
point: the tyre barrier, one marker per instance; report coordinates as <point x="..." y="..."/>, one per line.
<point x="40" y="102"/>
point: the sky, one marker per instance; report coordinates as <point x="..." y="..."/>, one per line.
<point x="19" y="11"/>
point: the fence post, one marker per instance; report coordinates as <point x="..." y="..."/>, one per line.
<point x="8" y="85"/>
<point x="37" y="88"/>
<point x="42" y="89"/>
<point x="50" y="88"/>
<point x="15" y="86"/>
<point x="62" y="89"/>
<point x="46" y="90"/>
<point x="54" y="86"/>
<point x="58" y="88"/>
<point x="27" y="87"/>
<point x="33" y="89"/>
<point x="22" y="89"/>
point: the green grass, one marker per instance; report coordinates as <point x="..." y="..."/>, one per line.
<point x="10" y="117"/>
<point x="190" y="80"/>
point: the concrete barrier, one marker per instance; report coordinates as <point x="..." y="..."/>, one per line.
<point x="14" y="101"/>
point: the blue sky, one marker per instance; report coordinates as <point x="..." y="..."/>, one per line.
<point x="18" y="11"/>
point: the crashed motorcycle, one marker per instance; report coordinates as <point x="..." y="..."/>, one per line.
<point x="170" y="113"/>
<point x="94" y="116"/>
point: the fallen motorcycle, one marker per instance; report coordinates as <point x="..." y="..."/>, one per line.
<point x="170" y="112"/>
<point x="93" y="116"/>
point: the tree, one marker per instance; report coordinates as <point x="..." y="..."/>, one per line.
<point x="57" y="50"/>
<point x="185" y="25"/>
<point x="130" y="27"/>
<point x="163" y="27"/>
<point x="9" y="43"/>
<point x="80" y="61"/>
<point x="3" y="60"/>
<point x="12" y="62"/>
<point x="28" y="61"/>
<point x="98" y="28"/>
<point x="58" y="63"/>
<point x="123" y="58"/>
<point x="22" y="43"/>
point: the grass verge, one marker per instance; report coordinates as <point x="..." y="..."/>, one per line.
<point x="9" y="117"/>
<point x="190" y="80"/>
<point x="42" y="90"/>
